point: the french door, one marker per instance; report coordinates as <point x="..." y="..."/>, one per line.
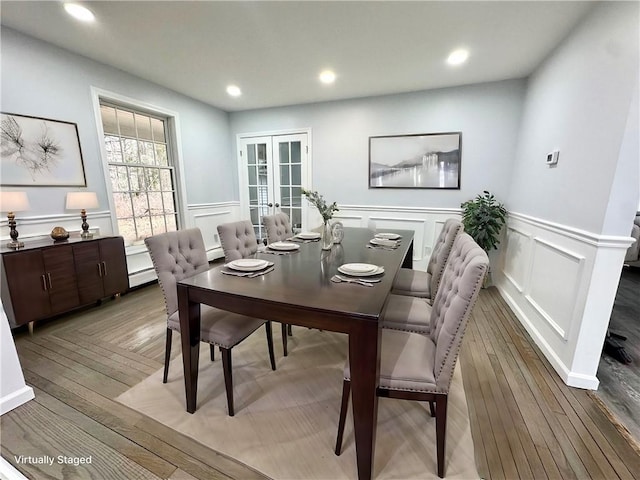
<point x="273" y="171"/>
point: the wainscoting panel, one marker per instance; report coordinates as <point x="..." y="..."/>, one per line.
<point x="546" y="274"/>
<point x="207" y="217"/>
<point x="517" y="245"/>
<point x="37" y="227"/>
<point x="426" y="223"/>
<point x="552" y="270"/>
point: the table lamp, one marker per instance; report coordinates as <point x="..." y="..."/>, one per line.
<point x="12" y="202"/>
<point x="81" y="201"/>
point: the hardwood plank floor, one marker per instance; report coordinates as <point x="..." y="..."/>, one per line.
<point x="619" y="382"/>
<point x="525" y="422"/>
<point x="552" y="431"/>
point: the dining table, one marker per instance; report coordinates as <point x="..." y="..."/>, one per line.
<point x="299" y="291"/>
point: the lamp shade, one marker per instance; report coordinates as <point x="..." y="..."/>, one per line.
<point x="14" y="201"/>
<point x="81" y="200"/>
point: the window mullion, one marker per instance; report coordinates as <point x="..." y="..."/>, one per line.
<point x="146" y="166"/>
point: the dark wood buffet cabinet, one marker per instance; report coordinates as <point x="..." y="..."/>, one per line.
<point x="46" y="278"/>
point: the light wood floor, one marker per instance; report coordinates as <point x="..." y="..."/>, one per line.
<point x="525" y="422"/>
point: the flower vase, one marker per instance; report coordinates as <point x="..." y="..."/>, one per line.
<point x="327" y="236"/>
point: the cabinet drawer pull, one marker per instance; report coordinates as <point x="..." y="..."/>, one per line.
<point x="44" y="282"/>
<point x="104" y="268"/>
<point x="49" y="277"/>
<point x="99" y="269"/>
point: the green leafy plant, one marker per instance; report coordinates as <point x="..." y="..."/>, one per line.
<point x="320" y="203"/>
<point x="483" y="218"/>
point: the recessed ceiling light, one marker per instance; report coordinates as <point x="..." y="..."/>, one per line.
<point x="234" y="91"/>
<point x="458" y="57"/>
<point x="79" y="12"/>
<point x="327" y="76"/>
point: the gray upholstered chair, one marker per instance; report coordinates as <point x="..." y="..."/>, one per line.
<point x="278" y="227"/>
<point x="409" y="306"/>
<point x="632" y="257"/>
<point x="417" y="283"/>
<point x="420" y="367"/>
<point x="179" y="255"/>
<point x="238" y="240"/>
<point x="409" y="314"/>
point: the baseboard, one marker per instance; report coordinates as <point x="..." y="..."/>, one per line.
<point x="15" y="399"/>
<point x="9" y="472"/>
<point x="588" y="382"/>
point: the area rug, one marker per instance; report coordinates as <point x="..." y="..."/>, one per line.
<point x="285" y="422"/>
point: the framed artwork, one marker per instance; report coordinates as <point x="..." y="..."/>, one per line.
<point x="39" y="152"/>
<point x="421" y="160"/>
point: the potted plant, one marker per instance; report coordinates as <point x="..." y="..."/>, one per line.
<point x="483" y="219"/>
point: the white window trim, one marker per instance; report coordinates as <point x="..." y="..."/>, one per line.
<point x="174" y="145"/>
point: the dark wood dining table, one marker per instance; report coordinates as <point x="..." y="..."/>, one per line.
<point x="299" y="292"/>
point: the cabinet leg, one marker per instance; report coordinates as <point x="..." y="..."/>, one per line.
<point x="30" y="328"/>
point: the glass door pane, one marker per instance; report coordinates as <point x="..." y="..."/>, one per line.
<point x="258" y="183"/>
<point x="288" y="149"/>
<point x="272" y="173"/>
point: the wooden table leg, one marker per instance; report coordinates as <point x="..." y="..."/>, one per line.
<point x="407" y="262"/>
<point x="364" y="360"/>
<point x="189" y="313"/>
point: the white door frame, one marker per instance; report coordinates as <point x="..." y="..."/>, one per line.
<point x="243" y="180"/>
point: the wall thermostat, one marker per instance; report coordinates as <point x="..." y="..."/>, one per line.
<point x="552" y="157"/>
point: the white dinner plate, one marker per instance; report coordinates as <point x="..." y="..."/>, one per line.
<point x="248" y="264"/>
<point x="308" y="235"/>
<point x="358" y="267"/>
<point x="361" y="272"/>
<point x="383" y="242"/>
<point x="388" y="236"/>
<point x="283" y="246"/>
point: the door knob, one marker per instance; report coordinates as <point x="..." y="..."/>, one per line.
<point x="269" y="204"/>
<point x="277" y="205"/>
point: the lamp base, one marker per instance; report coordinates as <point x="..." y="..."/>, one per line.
<point x="86" y="235"/>
<point x="15" y="244"/>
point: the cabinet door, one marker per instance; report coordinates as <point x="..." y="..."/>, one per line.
<point x="27" y="284"/>
<point x="115" y="276"/>
<point x="89" y="271"/>
<point x="61" y="278"/>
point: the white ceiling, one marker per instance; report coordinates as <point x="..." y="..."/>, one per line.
<point x="275" y="50"/>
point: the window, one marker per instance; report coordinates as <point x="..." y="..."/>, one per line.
<point x="141" y="172"/>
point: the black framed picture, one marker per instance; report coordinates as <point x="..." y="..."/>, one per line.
<point x="421" y="160"/>
<point x="37" y="151"/>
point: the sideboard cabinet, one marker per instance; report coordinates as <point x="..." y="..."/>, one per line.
<point x="46" y="278"/>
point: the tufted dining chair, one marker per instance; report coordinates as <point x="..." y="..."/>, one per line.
<point x="238" y="240"/>
<point x="417" y="283"/>
<point x="414" y="366"/>
<point x="278" y="227"/>
<point x="409" y="306"/>
<point x="179" y="255"/>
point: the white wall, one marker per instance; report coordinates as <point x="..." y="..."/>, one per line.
<point x="578" y="102"/>
<point x="42" y="80"/>
<point x="569" y="225"/>
<point x="488" y="115"/>
<point x="13" y="391"/>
